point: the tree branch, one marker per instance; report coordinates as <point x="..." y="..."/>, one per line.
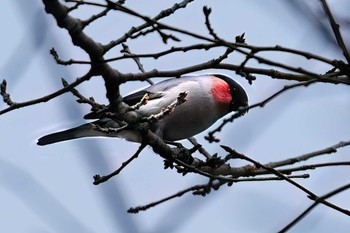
<point x="311" y="207"/>
<point x="100" y="179"/>
<point x="48" y="97"/>
<point x="211" y="138"/>
<point x="336" y="31"/>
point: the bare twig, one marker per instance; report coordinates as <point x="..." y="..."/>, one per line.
<point x="109" y="130"/>
<point x="311" y="207"/>
<point x="201" y="190"/>
<point x="165" y="52"/>
<point x="48" y="97"/>
<point x="77" y="4"/>
<point x="82" y="99"/>
<point x="137" y="29"/>
<point x="170" y="108"/>
<point x="5" y="96"/>
<point x="336" y="31"/>
<point x="82" y="2"/>
<point x="313" y="166"/>
<point x="100" y="179"/>
<point x="211" y="138"/>
<point x="137" y="60"/>
<point x="200" y="149"/>
<point x="154" y="24"/>
<point x="207" y="11"/>
<point x="255" y="179"/>
<point x="284" y="75"/>
<point x="311" y="195"/>
<point x="274" y="178"/>
<point x="137" y="209"/>
<point x="235" y="46"/>
<point x="126" y="50"/>
<point x="328" y="150"/>
<point x="250" y="170"/>
<point x="307" y="55"/>
<point x="95" y="17"/>
<point x="142" y="102"/>
<point x="59" y="61"/>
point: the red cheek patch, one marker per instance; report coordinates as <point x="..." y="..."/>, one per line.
<point x="221" y="91"/>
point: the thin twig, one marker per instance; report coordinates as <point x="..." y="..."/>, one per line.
<point x="82" y="99"/>
<point x="211" y="138"/>
<point x="135" y="210"/>
<point x="74" y="7"/>
<point x="154" y="24"/>
<point x="279" y="48"/>
<point x="225" y="180"/>
<point x="162" y="26"/>
<point x="327" y="150"/>
<point x="6" y="96"/>
<point x="59" y="61"/>
<point x="313" y="166"/>
<point x="133" y="30"/>
<point x="336" y="31"/>
<point x="221" y="170"/>
<point x="100" y="179"/>
<point x="200" y="149"/>
<point x="207" y="11"/>
<point x="311" y="195"/>
<point x="274" y="178"/>
<point x="200" y="189"/>
<point x="93" y="18"/>
<point x="311" y="207"/>
<point x="165" y="52"/>
<point x="142" y="102"/>
<point x="49" y="97"/>
<point x="170" y="108"/>
<point x="137" y="60"/>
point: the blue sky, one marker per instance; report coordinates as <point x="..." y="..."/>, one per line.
<point x="49" y="189"/>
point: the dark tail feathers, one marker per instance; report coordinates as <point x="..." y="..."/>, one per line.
<point x="85" y="130"/>
<point x="78" y="132"/>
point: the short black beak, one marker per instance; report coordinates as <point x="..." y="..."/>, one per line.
<point x="243" y="109"/>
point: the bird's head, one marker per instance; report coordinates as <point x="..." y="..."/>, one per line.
<point x="229" y="92"/>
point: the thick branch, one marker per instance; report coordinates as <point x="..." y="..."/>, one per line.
<point x="74" y="27"/>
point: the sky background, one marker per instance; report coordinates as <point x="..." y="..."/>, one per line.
<point x="49" y="189"/>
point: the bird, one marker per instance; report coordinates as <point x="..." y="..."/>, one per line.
<point x="209" y="98"/>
